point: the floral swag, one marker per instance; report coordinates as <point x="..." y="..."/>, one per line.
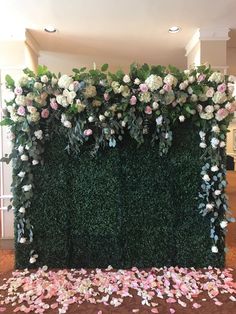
<point x="99" y="106"/>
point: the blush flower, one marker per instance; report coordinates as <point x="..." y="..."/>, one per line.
<point x="143" y="88"/>
<point x="88" y="132"/>
<point x="148" y="110"/>
<point x="133" y="100"/>
<point x="45" y="113"/>
<point x="21" y="111"/>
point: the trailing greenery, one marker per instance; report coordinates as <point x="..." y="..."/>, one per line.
<point x="106" y="115"/>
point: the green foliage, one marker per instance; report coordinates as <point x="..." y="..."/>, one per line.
<point x="9" y="81"/>
<point x="126" y="207"/>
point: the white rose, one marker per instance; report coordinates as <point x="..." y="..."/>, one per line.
<point x="90" y="119"/>
<point x="209" y="207"/>
<point x="38" y="85"/>
<point x="215" y="129"/>
<point x="217" y="192"/>
<point x="38" y="134"/>
<point x="44" y="79"/>
<point x="191" y="79"/>
<point x="214" y="168"/>
<point x="206" y="178"/>
<point x="32" y="260"/>
<point x="31" y="109"/>
<point x="123" y="123"/>
<point x="222" y="144"/>
<point x="187" y="72"/>
<point x="24" y="157"/>
<point x="203" y="145"/>
<point x="21" y="174"/>
<point x="26" y="188"/>
<point x="202" y="134"/>
<point x="214" y="249"/>
<point x="181" y="118"/>
<point x="214" y="142"/>
<point x="65" y="81"/>
<point x="159" y="120"/>
<point x="190" y="90"/>
<point x="194" y="98"/>
<point x="67" y="124"/>
<point x="126" y="79"/>
<point x="71" y="96"/>
<point x="137" y="81"/>
<point x="22" y="210"/>
<point x="62" y="100"/>
<point x="209" y="109"/>
<point x="22" y="240"/>
<point x="102" y="118"/>
<point x="170" y="80"/>
<point x="35" y="162"/>
<point x="154" y="82"/>
<point x="223" y="224"/>
<point x="206" y="116"/>
<point x="10" y="96"/>
<point x="155" y="105"/>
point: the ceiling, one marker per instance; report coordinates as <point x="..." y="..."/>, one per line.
<point x="128" y="30"/>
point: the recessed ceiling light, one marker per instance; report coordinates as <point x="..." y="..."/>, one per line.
<point x="174" y="29"/>
<point x="50" y="29"/>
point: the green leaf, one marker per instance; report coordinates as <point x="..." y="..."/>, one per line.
<point x="29" y="72"/>
<point x="6" y="121"/>
<point x="9" y="80"/>
<point x="42" y="70"/>
<point x="104" y="67"/>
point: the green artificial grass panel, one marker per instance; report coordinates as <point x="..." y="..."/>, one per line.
<point x="125" y="207"/>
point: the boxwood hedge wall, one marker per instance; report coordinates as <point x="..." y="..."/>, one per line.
<point x="125" y="207"/>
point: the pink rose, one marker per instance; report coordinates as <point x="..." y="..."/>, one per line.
<point x="45" y="113"/>
<point x="221" y="114"/>
<point x="148" y="110"/>
<point x="21" y="111"/>
<point x="133" y="100"/>
<point x="167" y="87"/>
<point x="221" y="88"/>
<point x="231" y="107"/>
<point x="143" y="88"/>
<point x="53" y="104"/>
<point x="88" y="132"/>
<point x="106" y="96"/>
<point x="201" y="78"/>
<point x="18" y="90"/>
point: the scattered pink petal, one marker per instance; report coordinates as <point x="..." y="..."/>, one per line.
<point x="100" y="312"/>
<point x="154" y="310"/>
<point x="135" y="310"/>
<point x="232" y="298"/>
<point x="3" y="309"/>
<point x="172" y="311"/>
<point x="171" y="300"/>
<point x="196" y="305"/>
<point x="218" y="303"/>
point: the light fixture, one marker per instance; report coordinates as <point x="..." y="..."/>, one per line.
<point x="174" y="29"/>
<point x="50" y="29"/>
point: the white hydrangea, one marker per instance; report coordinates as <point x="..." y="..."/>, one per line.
<point x="219" y="98"/>
<point x="62" y="100"/>
<point x="90" y="91"/>
<point x="22" y="81"/>
<point x="20" y="100"/>
<point x="170" y="80"/>
<point x="38" y="85"/>
<point x="206" y="115"/>
<point x="10" y="96"/>
<point x="216" y="77"/>
<point x="65" y="81"/>
<point x="145" y="97"/>
<point x="44" y="79"/>
<point x="215" y="129"/>
<point x="154" y="82"/>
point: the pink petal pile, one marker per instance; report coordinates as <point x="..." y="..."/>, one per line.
<point x="27" y="291"/>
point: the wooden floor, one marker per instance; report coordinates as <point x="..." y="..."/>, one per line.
<point x="7" y="253"/>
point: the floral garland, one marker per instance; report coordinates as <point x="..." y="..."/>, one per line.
<point x="99" y="106"/>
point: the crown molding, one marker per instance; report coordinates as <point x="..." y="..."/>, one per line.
<point x="207" y="34"/>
